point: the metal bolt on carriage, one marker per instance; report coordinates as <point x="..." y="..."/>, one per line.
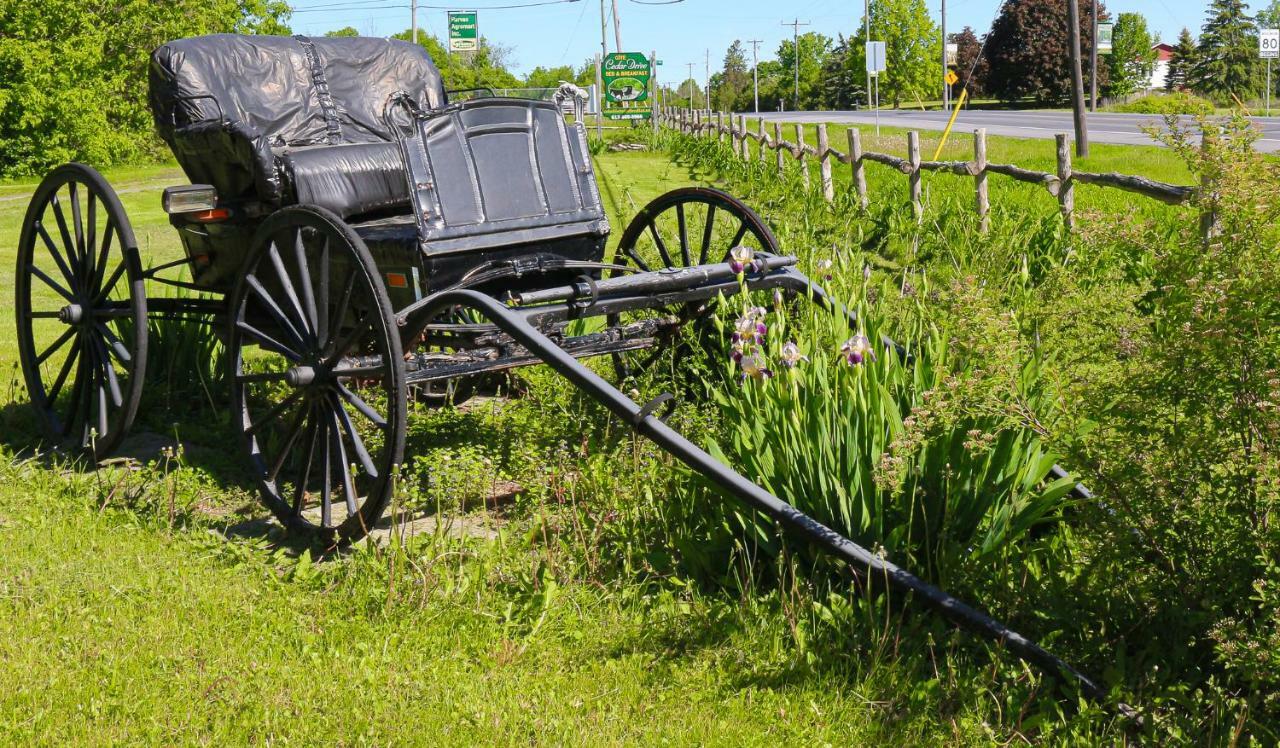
<point x="358" y="237"/>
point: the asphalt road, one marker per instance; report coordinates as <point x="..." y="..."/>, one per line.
<point x="1124" y="129"/>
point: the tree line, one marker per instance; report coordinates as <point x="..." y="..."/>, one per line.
<point x="73" y="74"/>
<point x="1022" y="59"/>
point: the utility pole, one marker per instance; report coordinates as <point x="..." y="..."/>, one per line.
<point x="1093" y="61"/>
<point x="755" y="72"/>
<point x="1077" y="79"/>
<point x="946" y="87"/>
<point x="692" y="84"/>
<point x="866" y="19"/>
<point x="617" y="27"/>
<point x="604" y="49"/>
<point x="413" y="16"/>
<point x="795" y="51"/>
<point x="707" y="74"/>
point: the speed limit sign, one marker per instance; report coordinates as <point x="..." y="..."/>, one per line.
<point x="1269" y="43"/>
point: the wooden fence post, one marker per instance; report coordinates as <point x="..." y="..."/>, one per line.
<point x="742" y="133"/>
<point x="824" y="163"/>
<point x="1066" y="190"/>
<point x="913" y="158"/>
<point x="804" y="164"/>
<point x="764" y="139"/>
<point x="719" y="127"/>
<point x="981" y="203"/>
<point x="777" y="147"/>
<point x="855" y="164"/>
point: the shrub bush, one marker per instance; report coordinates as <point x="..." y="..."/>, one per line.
<point x="1172" y="103"/>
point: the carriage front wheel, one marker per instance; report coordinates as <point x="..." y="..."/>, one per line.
<point x="81" y="310"/>
<point x="317" y="375"/>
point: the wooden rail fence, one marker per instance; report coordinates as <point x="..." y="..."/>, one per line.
<point x="1060" y="184"/>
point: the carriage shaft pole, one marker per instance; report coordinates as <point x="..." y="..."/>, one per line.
<point x="729" y="481"/>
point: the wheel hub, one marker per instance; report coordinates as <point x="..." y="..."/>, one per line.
<point x="302" y="376"/>
<point x="71" y="314"/>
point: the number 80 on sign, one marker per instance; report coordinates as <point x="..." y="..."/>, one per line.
<point x="1269" y="43"/>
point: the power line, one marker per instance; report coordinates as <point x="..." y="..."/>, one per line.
<point x="406" y="6"/>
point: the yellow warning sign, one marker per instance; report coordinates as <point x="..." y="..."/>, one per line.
<point x="951" y="78"/>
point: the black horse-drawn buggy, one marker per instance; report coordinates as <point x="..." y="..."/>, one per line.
<point x="359" y="239"/>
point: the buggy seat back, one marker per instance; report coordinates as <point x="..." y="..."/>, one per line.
<point x="290" y="119"/>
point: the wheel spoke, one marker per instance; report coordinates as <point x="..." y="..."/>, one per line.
<point x="78" y="399"/>
<point x="340" y="456"/>
<point x="291" y="436"/>
<point x="349" y="340"/>
<point x="635" y="256"/>
<point x="91" y="239"/>
<point x="326" y="473"/>
<point x="116" y="345"/>
<point x="684" y="235"/>
<point x="51" y="283"/>
<point x="742" y="231"/>
<point x="276" y="411"/>
<point x="61" y="379"/>
<point x="62" y="229"/>
<point x="275" y="311"/>
<point x="268" y="342"/>
<point x="322" y="302"/>
<point x="100" y="267"/>
<point x="286" y="285"/>
<point x="344" y="303"/>
<point x="77" y="225"/>
<point x="105" y="291"/>
<point x="362" y="453"/>
<point x="304" y="280"/>
<point x="362" y="406"/>
<point x="706" y="234"/>
<point x="55" y="345"/>
<point x="662" y="247"/>
<point x="300" y="489"/>
<point x="63" y="267"/>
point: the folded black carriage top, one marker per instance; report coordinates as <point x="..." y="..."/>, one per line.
<point x="272" y="121"/>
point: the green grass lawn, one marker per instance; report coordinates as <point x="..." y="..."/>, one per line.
<point x="127" y="616"/>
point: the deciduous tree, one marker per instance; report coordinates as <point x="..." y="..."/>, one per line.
<point x="1132" y="57"/>
<point x="968" y="58"/>
<point x="1028" y="53"/>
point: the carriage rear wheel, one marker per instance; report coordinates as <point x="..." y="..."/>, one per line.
<point x="682" y="228"/>
<point x="81" y="311"/>
<point x="318" y="384"/>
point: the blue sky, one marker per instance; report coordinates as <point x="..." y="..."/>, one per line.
<point x="569" y="32"/>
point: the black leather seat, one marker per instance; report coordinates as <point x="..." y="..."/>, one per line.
<point x="351" y="180"/>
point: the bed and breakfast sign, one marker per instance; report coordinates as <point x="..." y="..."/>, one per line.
<point x="626" y="78"/>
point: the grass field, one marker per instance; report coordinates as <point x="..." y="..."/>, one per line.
<point x="152" y="604"/>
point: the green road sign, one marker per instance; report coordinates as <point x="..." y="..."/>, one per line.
<point x="464" y="31"/>
<point x="626" y="85"/>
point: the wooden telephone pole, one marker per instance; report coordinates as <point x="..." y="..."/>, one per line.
<point x="755" y="73"/>
<point x="795" y="51"/>
<point x="1077" y="79"/>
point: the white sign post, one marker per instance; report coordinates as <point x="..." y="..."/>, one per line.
<point x="876" y="65"/>
<point x="1269" y="49"/>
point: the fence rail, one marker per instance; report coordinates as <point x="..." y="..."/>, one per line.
<point x="1060" y="184"/>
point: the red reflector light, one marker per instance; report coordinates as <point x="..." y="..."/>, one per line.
<point x="397" y="280"/>
<point x="208" y="216"/>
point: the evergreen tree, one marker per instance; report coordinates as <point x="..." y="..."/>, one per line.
<point x="1132" y="57"/>
<point x="1181" y="63"/>
<point x="1227" y="56"/>
<point x="733" y="81"/>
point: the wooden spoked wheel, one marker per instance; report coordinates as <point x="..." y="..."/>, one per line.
<point x="682" y="228"/>
<point x="81" y="311"/>
<point x="317" y="375"/>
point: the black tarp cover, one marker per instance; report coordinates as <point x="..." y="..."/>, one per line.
<point x="228" y="105"/>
